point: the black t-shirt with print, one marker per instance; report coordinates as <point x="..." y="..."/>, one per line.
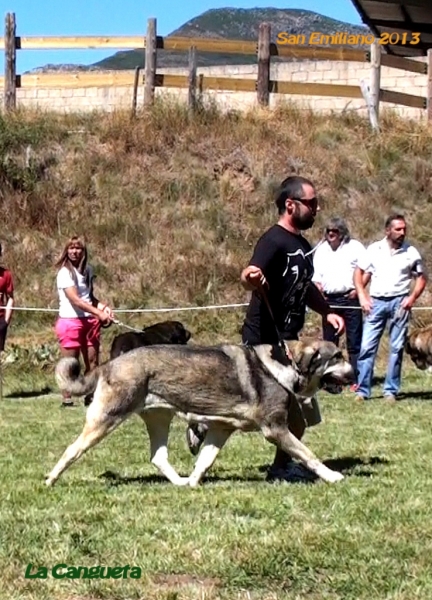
<point x="286" y="261"/>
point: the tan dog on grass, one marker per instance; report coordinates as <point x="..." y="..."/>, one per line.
<point x="227" y="387"/>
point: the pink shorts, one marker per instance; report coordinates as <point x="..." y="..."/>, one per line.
<point x="78" y="333"/>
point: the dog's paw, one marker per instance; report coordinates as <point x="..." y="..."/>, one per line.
<point x="49" y="482"/>
<point x="182" y="481"/>
<point x="328" y="475"/>
<point x="194" y="483"/>
<point x="334" y="476"/>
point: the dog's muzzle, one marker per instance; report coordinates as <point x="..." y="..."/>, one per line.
<point x="333" y="384"/>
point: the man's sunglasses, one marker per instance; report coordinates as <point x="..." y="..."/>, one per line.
<point x="310" y="203"/>
<point x="330" y="230"/>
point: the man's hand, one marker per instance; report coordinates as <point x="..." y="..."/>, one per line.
<point x="253" y="278"/>
<point x="366" y="303"/>
<point x="407" y="303"/>
<point x="337" y="322"/>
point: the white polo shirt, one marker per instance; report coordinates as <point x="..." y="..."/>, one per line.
<point x="392" y="270"/>
<point x="334" y="269"/>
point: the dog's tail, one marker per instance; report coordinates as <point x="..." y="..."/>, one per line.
<point x="69" y="378"/>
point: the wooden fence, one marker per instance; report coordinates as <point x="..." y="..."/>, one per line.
<point x="264" y="49"/>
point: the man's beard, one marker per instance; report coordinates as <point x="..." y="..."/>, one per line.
<point x="303" y="222"/>
<point x="399" y="241"/>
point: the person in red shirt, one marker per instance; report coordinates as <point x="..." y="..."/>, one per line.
<point x="6" y="302"/>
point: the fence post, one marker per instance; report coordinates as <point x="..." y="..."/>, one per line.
<point x="263" y="79"/>
<point x="429" y="85"/>
<point x="375" y="76"/>
<point x="192" y="78"/>
<point x="135" y="91"/>
<point x="150" y="62"/>
<point x="10" y="63"/>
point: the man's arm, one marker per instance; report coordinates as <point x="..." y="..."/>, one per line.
<point x="316" y="302"/>
<point x="361" y="280"/>
<point x="253" y="276"/>
<point x="318" y="271"/>
<point x="9" y="308"/>
<point x="419" y="286"/>
<point x="10" y="298"/>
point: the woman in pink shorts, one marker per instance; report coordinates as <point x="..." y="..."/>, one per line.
<point x="81" y="314"/>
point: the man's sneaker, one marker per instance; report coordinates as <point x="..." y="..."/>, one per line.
<point x="390" y="398"/>
<point x="195" y="435"/>
<point x="292" y="473"/>
<point x="359" y="398"/>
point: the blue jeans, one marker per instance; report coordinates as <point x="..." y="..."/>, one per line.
<point x="384" y="310"/>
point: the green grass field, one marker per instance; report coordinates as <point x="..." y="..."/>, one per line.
<point x="369" y="536"/>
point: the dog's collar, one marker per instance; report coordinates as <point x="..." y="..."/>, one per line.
<point x="277" y="369"/>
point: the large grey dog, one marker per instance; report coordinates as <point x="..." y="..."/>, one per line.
<point x="227" y="387"/>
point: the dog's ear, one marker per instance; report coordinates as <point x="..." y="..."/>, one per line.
<point x="310" y="361"/>
<point x="278" y="354"/>
<point x="296" y="348"/>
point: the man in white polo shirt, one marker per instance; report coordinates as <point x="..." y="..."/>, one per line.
<point x="334" y="263"/>
<point x="393" y="265"/>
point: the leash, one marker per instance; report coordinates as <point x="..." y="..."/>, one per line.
<point x="281" y="342"/>
<point x="120" y="324"/>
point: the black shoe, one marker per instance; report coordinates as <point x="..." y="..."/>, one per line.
<point x="67" y="404"/>
<point x="293" y="472"/>
<point x="88" y="399"/>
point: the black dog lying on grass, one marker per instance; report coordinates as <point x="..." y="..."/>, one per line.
<point x="165" y="332"/>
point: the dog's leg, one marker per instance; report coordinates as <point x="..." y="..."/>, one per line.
<point x="214" y="440"/>
<point x="158" y="424"/>
<point x="285" y="440"/>
<point x="95" y="429"/>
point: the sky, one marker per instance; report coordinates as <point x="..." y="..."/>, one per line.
<point x="126" y="17"/>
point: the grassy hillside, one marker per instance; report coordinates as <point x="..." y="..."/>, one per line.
<point x="171" y="205"/>
<point x="236" y="24"/>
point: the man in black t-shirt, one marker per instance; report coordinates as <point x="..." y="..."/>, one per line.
<point x="285" y="259"/>
<point x="282" y="264"/>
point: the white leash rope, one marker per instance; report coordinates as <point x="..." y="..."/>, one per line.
<point x="176" y="308"/>
<point x="315" y="248"/>
<point x="134" y="310"/>
<point x="120" y="324"/>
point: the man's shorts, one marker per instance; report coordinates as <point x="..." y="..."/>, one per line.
<point x="78" y="332"/>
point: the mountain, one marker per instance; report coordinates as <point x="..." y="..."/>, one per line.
<point x="237" y="24"/>
<point x="224" y="23"/>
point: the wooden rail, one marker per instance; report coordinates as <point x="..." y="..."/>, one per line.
<point x="404" y="99"/>
<point x="264" y="49"/>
